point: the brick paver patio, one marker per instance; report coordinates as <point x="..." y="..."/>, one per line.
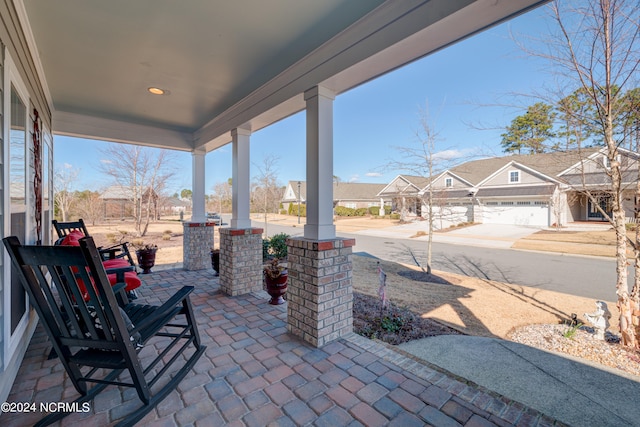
<point x="256" y="374"/>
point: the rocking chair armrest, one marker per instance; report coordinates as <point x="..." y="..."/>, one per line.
<point x="119" y="271"/>
<point x="114" y="250"/>
<point x="168" y="309"/>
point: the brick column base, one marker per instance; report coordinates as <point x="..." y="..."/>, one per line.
<point x="196" y="245"/>
<point x="240" y="260"/>
<point x="320" y="292"/>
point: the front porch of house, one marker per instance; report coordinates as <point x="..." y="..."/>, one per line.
<point x="254" y="373"/>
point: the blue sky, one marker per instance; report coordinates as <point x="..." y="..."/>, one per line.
<point x="462" y="85"/>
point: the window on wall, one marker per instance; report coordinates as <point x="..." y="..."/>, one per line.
<point x="448" y="182"/>
<point x="514" y="177"/>
<point x="16" y="172"/>
<point x="17" y="150"/>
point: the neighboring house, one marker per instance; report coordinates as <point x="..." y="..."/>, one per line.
<point x="173" y="205"/>
<point x="535" y="189"/>
<point x="404" y="191"/>
<point x="118" y="201"/>
<point x="348" y="194"/>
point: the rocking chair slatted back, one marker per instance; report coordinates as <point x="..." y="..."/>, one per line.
<point x="64" y="228"/>
<point x="118" y="251"/>
<point x="95" y="331"/>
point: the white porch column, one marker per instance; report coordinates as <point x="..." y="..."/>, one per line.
<point x="319" y="224"/>
<point x="198" y="234"/>
<point x="197" y="197"/>
<point x="241" y="179"/>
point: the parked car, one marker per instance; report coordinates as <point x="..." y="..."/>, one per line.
<point x="214" y="217"/>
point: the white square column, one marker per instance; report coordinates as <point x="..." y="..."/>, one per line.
<point x="241" y="178"/>
<point x="198" y="213"/>
<point x="319" y="224"/>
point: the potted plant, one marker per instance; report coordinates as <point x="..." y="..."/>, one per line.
<point x="275" y="279"/>
<point x="215" y="260"/>
<point x="146" y="254"/>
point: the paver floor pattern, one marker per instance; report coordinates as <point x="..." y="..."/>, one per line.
<point x="254" y="373"/>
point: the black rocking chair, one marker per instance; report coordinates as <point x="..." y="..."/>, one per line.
<point x="118" y="251"/>
<point x="95" y="338"/>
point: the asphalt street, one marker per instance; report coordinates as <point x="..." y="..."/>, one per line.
<point x="590" y="277"/>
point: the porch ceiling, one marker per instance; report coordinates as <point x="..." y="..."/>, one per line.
<point x="226" y="64"/>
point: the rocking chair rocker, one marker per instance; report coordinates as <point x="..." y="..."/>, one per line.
<point x="95" y="338"/>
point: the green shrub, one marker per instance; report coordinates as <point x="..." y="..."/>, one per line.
<point x="395" y="216"/>
<point x="278" y="245"/>
<point x="374" y="210"/>
<point x="293" y="209"/>
<point x="360" y="212"/>
<point x="343" y="211"/>
<point x="265" y="249"/>
<point x="283" y="212"/>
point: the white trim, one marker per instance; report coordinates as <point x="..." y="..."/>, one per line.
<point x="33" y="49"/>
<point x="409" y="184"/>
<point x="577" y="164"/>
<point x="517" y="176"/>
<point x="511" y="165"/>
<point x="12" y="78"/>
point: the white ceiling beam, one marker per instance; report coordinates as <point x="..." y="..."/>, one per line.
<point x="90" y="127"/>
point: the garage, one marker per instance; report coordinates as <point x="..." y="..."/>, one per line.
<point x="523" y="212"/>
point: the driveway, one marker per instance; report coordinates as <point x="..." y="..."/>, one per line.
<point x="486" y="235"/>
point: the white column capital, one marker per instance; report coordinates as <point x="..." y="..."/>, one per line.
<point x="319" y="91"/>
<point x="240" y="131"/>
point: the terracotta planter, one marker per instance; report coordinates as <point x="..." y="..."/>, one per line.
<point x="146" y="259"/>
<point x="215" y="261"/>
<point x="276" y="288"/>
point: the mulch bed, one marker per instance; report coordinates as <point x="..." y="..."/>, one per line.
<point x="394" y="325"/>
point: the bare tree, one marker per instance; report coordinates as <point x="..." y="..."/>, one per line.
<point x="64" y="197"/>
<point x="90" y="206"/>
<point x="425" y="160"/>
<point x="222" y="193"/>
<point x="596" y="50"/>
<point x="266" y="193"/>
<point x="143" y="173"/>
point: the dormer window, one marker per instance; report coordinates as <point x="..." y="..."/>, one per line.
<point x="607" y="163"/>
<point x="448" y="182"/>
<point x="514" y="177"/>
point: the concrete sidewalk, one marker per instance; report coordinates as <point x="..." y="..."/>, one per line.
<point x="567" y="389"/>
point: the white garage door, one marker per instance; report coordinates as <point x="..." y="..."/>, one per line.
<point x="517" y="213"/>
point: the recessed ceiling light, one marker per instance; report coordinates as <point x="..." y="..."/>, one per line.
<point x="157" y="91"/>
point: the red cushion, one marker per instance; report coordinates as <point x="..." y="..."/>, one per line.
<point x="130" y="277"/>
<point x="73" y="238"/>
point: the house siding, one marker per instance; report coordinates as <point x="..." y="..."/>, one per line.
<point x="14" y="43"/>
<point x="502" y="178"/>
<point x="2" y="210"/>
<point x="440" y="183"/>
